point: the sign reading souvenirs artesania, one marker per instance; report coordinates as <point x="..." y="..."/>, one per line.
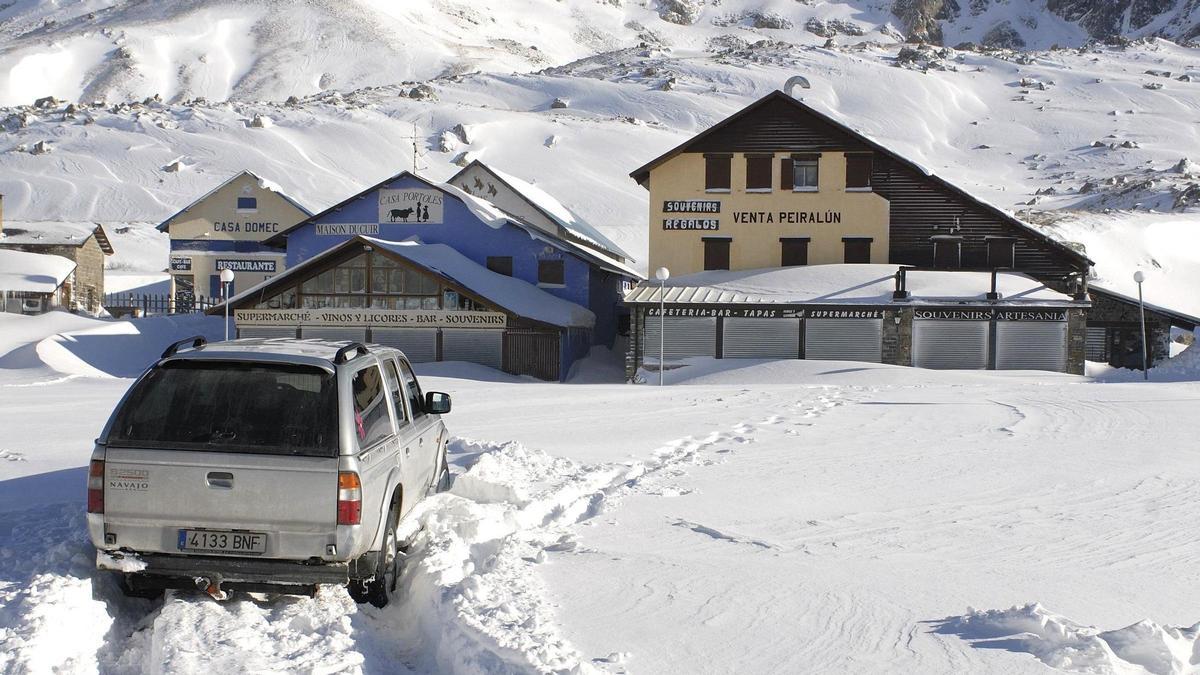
<point x="989" y="314"/>
<point x="409" y="318"/>
<point x="410" y="206"/>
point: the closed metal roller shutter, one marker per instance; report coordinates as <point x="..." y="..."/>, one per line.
<point x="950" y="345"/>
<point x="686" y="336"/>
<point x="266" y="331"/>
<point x="1031" y="345"/>
<point x="844" y="339"/>
<point x="761" y="338"/>
<point x="1097" y="344"/>
<point x="334" y="333"/>
<point x="484" y="347"/>
<point x="418" y="344"/>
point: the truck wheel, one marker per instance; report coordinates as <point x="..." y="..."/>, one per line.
<point x="443" y="481"/>
<point x="384" y="584"/>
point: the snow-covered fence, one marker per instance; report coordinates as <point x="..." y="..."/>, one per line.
<point x="141" y="304"/>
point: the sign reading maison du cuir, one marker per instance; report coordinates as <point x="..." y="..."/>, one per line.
<point x="410" y="206"/>
<point x="414" y="318"/>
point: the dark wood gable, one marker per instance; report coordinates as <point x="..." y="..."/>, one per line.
<point x="919" y="204"/>
<point x="777" y="126"/>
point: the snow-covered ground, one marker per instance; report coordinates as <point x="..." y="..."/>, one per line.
<point x="750" y="517"/>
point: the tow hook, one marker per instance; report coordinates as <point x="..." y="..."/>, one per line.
<point x="212" y="587"/>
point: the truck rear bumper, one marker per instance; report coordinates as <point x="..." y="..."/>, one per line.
<point x="157" y="570"/>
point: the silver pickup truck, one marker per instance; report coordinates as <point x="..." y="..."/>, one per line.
<point x="265" y="465"/>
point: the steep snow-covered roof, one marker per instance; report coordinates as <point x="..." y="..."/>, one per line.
<point x="33" y="272"/>
<point x="558" y="212"/>
<point x="519" y="297"/>
<point x="53" y="233"/>
<point x="843" y="285"/>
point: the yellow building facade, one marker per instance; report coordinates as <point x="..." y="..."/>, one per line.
<point x="685" y="213"/>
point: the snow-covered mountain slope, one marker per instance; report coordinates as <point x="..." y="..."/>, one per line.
<point x="1100" y="131"/>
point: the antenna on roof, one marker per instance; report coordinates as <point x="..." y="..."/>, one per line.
<point x="416" y="153"/>
<point x="793" y="82"/>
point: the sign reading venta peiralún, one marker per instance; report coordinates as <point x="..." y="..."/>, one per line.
<point x="415" y="318"/>
<point x="410" y="206"/>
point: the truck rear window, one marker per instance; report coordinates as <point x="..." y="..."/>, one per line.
<point x="230" y="406"/>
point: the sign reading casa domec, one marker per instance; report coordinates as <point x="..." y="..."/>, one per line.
<point x="410" y="318"/>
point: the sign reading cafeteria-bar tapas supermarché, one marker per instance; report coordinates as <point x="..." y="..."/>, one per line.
<point x="410" y="318"/>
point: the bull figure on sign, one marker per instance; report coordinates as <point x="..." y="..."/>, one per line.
<point x="402" y="214"/>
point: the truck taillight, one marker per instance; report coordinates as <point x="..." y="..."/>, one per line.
<point x="349" y="502"/>
<point x="96" y="487"/>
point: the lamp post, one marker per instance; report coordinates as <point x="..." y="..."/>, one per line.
<point x="662" y="274"/>
<point x="226" y="279"/>
<point x="1139" y="277"/>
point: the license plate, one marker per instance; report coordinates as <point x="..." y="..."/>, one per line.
<point x="222" y="541"/>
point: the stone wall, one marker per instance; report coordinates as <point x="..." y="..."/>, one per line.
<point x="897" y="337"/>
<point x="1076" y="340"/>
<point x="1106" y="310"/>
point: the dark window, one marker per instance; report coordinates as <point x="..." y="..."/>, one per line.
<point x="393" y="383"/>
<point x="794" y="251"/>
<point x="858" y="250"/>
<point x="805" y="172"/>
<point x="758" y="172"/>
<point x="247" y="203"/>
<point x="858" y="172"/>
<point x="717" y="171"/>
<point x="1001" y="252"/>
<point x="415" y="403"/>
<point x="947" y="252"/>
<point x="500" y="264"/>
<point x="716" y="254"/>
<point x="371" y="421"/>
<point x="551" y="272"/>
<point x="224" y="406"/>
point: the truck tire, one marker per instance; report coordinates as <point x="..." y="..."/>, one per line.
<point x="443" y="481"/>
<point x="128" y="583"/>
<point x="380" y="588"/>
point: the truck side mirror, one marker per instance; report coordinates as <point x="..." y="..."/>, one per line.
<point x="437" y="403"/>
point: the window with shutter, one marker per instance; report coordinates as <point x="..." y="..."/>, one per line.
<point x="858" y="171"/>
<point x="857" y="250"/>
<point x="717" y="171"/>
<point x="500" y="264"/>
<point x="947" y="252"/>
<point x="716" y="253"/>
<point x="805" y="172"/>
<point x="758" y="173"/>
<point x="1001" y="252"/>
<point x="550" y="273"/>
<point x="793" y="251"/>
<point x="785" y="174"/>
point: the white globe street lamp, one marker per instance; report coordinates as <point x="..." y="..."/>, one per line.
<point x="662" y="274"/>
<point x="227" y="276"/>
<point x="1139" y="277"/>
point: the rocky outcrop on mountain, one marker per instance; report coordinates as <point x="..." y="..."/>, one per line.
<point x="922" y="19"/>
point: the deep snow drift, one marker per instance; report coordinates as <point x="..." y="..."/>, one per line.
<point x="750" y="517"/>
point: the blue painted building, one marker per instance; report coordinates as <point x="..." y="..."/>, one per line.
<point x="408" y="207"/>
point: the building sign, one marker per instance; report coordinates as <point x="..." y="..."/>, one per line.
<point x="989" y="314"/>
<point x="330" y="316"/>
<point x="346" y="229"/>
<point x="410" y="206"/>
<point x="692" y="206"/>
<point x="788" y="217"/>
<point x="770" y="312"/>
<point x="691" y="224"/>
<point x="181" y="264"/>
<point x="234" y="227"/>
<point x="251" y="265"/>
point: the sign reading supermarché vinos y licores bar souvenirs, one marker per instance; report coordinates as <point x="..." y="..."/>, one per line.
<point x="397" y="318"/>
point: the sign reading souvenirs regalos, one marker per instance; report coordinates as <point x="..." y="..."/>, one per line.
<point x="691" y="224"/>
<point x="410" y="206"/>
<point x="692" y="206"/>
<point x="412" y="318"/>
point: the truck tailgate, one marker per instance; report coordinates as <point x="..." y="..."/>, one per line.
<point x="150" y="496"/>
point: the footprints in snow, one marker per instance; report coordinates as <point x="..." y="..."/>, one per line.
<point x="722" y="536"/>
